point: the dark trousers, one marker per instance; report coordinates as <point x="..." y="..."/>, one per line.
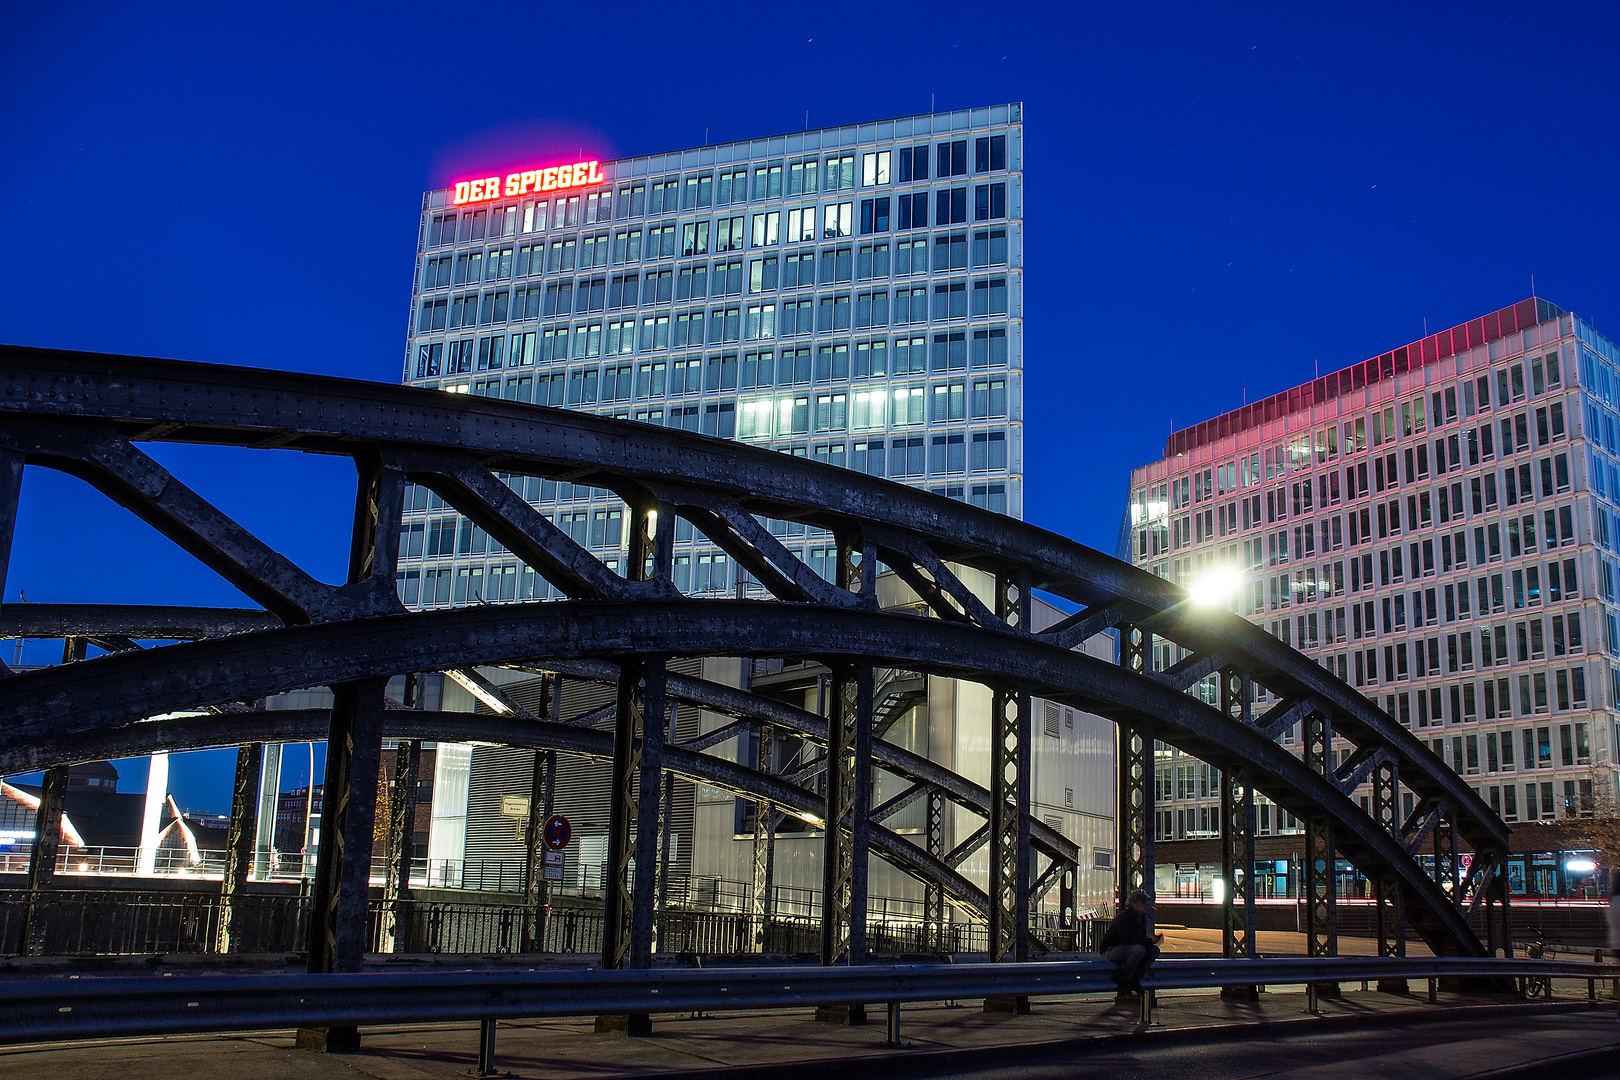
<point x="1132" y="961"/>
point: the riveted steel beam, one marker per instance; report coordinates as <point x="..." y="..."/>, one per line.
<point x="110" y="691"/>
<point x="158" y="399"/>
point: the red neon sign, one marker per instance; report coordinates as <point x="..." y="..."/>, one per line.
<point x="521" y="183"/>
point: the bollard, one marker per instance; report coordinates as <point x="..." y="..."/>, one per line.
<point x="1311" y="1004"/>
<point x="1591" y="993"/>
<point x="894" y="1024"/>
<point x="486" y="1048"/>
<point x="1146" y="1016"/>
<point x="1434" y="991"/>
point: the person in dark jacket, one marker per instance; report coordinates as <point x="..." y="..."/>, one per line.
<point x="1128" y="945"/>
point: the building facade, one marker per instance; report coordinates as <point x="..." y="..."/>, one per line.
<point x="851" y="295"/>
<point x="1435" y="526"/>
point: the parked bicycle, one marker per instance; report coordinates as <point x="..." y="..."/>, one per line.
<point x="1539" y="949"/>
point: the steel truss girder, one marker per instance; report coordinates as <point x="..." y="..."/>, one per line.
<point x="155" y="399"/>
<point x="112" y="691"/>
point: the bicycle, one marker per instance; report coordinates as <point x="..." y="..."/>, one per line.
<point x="1539" y="949"/>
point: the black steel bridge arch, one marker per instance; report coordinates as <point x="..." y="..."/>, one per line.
<point x="85" y="413"/>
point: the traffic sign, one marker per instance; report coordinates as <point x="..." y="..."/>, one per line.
<point x="557" y="832"/>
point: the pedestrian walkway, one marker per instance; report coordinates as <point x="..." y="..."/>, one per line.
<point x="787" y="1045"/>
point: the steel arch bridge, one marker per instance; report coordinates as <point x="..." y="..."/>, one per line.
<point x="84" y="414"/>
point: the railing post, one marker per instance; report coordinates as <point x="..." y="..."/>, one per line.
<point x="239" y="844"/>
<point x="486" y="1049"/>
<point x="1321" y="923"/>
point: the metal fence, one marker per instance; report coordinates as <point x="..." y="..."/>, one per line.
<point x="77" y="922"/>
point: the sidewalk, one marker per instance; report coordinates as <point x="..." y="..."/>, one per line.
<point x="788" y="1045"/>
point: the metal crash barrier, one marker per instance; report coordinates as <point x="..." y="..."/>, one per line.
<point x="55" y="1010"/>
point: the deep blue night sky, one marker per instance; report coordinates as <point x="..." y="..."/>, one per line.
<point x="1216" y="202"/>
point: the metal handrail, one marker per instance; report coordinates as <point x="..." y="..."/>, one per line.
<point x="48" y="1010"/>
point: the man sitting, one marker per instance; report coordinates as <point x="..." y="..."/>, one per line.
<point x="1128" y="945"/>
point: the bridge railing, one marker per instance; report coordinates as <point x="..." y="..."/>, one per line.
<point x="52" y="1010"/>
<point x="84" y="922"/>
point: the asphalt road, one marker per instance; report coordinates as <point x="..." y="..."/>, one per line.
<point x="1528" y="1046"/>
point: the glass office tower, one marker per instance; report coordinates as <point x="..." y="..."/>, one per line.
<point x="851" y="295"/>
<point x="1436" y="526"/>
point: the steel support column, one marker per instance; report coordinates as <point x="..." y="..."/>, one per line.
<point x="1009" y="804"/>
<point x="627" y="733"/>
<point x="845" y="826"/>
<point x="1009" y="794"/>
<point x="339" y="897"/>
<point x="239" y="844"/>
<point x="1134" y="798"/>
<point x="1320" y="869"/>
<point x="396" y="918"/>
<point x="42" y="861"/>
<point x="640" y="720"/>
<point x="1237" y="864"/>
<point x="1388" y="901"/>
<point x="764" y="845"/>
<point x="348" y="823"/>
<point x="933" y="894"/>
<point x="1237" y="843"/>
<point x="843" y="891"/>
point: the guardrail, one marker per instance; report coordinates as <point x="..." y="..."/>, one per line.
<point x="53" y="1010"/>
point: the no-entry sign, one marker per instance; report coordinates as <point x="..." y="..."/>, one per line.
<point x="557" y="832"/>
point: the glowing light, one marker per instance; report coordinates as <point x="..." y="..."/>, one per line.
<point x="1217" y="890"/>
<point x="1580" y="866"/>
<point x="555" y="178"/>
<point x="1215" y="586"/>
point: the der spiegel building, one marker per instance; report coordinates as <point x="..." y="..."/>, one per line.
<point x="851" y="295"/>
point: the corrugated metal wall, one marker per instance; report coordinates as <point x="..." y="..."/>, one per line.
<point x="581" y="788"/>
